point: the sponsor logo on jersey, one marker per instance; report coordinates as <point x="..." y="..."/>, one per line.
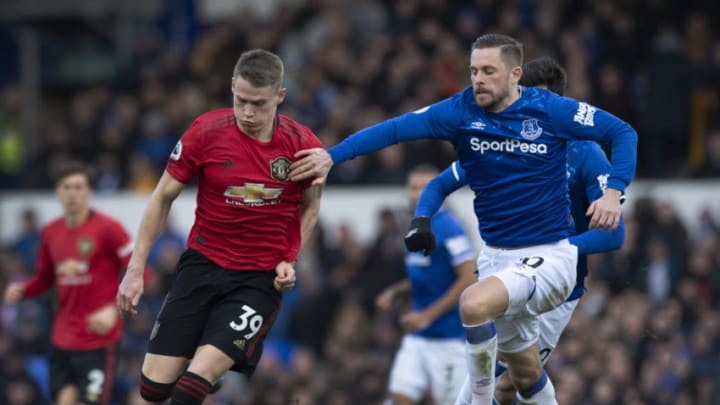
<point x="280" y="168"/>
<point x="72" y="272"/>
<point x="585" y="115"/>
<point x="478" y="125"/>
<point x="507" y="145"/>
<point x="531" y="130"/>
<point x="177" y="151"/>
<point x="85" y="247"/>
<point x="252" y="194"/>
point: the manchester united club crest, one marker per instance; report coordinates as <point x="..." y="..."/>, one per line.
<point x="85" y="247"/>
<point x="280" y="168"/>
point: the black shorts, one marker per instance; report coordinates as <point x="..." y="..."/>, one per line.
<point x="91" y="371"/>
<point x="230" y="310"/>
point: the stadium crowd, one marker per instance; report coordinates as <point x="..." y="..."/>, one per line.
<point x="654" y="64"/>
<point x="648" y="330"/>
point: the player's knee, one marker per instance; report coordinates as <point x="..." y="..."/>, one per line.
<point x="152" y="391"/>
<point x="474" y="309"/>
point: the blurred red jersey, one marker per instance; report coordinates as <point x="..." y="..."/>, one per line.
<point x="248" y="211"/>
<point x="84" y="263"/>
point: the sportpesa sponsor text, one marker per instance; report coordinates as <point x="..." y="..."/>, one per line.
<point x="507" y="145"/>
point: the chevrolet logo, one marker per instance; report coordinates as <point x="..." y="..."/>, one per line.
<point x="253" y="192"/>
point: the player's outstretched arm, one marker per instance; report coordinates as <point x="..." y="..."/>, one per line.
<point x="153" y="221"/>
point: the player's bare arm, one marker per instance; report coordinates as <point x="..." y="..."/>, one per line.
<point x="416" y="320"/>
<point x="312" y="163"/>
<point x="102" y="320"/>
<point x="385" y="299"/>
<point x="310" y="210"/>
<point x="153" y="221"/>
<point x="605" y="211"/>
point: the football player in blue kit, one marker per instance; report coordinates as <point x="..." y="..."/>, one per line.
<point x="512" y="143"/>
<point x="432" y="354"/>
<point x="588" y="170"/>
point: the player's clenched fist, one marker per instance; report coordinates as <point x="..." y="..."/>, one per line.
<point x="285" y="278"/>
<point x="419" y="236"/>
<point x="14" y="292"/>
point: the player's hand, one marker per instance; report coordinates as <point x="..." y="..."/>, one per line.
<point x="102" y="320"/>
<point x="14" y="292"/>
<point x="384" y="301"/>
<point x="414" y="321"/>
<point x="605" y="211"/>
<point x="419" y="236"/>
<point x="285" y="278"/>
<point x="130" y="291"/>
<point x="312" y="163"/>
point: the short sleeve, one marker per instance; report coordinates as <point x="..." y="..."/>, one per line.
<point x="185" y="159"/>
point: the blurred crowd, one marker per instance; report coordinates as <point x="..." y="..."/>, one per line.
<point x="352" y="63"/>
<point x="647" y="332"/>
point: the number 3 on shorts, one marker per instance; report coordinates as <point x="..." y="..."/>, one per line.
<point x="249" y="318"/>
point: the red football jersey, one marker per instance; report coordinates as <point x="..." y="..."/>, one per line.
<point x="84" y="263"/>
<point x="248" y="211"/>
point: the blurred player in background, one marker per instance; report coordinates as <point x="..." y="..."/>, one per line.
<point x="588" y="169"/>
<point x="512" y="143"/>
<point x="432" y="354"/>
<point x="250" y="220"/>
<point x="82" y="254"/>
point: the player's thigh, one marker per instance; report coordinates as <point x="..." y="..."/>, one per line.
<point x="446" y="364"/>
<point x="552" y="324"/>
<point x="183" y="316"/>
<point x="96" y="374"/>
<point x="163" y="369"/>
<point x="408" y="375"/>
<point x="62" y="372"/>
<point x="238" y="323"/>
<point x="67" y="395"/>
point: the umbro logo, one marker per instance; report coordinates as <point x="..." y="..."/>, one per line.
<point x="478" y="125"/>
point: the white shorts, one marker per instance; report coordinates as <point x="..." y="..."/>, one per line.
<point x="435" y="364"/>
<point x="538" y="279"/>
<point x="552" y="325"/>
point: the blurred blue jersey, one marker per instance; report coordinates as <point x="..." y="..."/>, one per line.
<point x="431" y="276"/>
<point x="587" y="169"/>
<point x="515" y="160"/>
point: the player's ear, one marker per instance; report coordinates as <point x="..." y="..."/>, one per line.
<point x="282" y="92"/>
<point x="515" y="74"/>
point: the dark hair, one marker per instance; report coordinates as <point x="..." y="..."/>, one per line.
<point x="260" y="67"/>
<point x="544" y="71"/>
<point x="511" y="49"/>
<point x="72" y="168"/>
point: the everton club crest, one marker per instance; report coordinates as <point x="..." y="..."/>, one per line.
<point x="531" y="130"/>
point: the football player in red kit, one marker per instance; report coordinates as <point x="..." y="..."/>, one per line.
<point x="82" y="254"/>
<point x="250" y="220"/>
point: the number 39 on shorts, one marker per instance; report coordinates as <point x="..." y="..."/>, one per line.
<point x="249" y="319"/>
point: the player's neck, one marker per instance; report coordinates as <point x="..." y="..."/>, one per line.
<point x="507" y="102"/>
<point x="72" y="220"/>
<point x="264" y="134"/>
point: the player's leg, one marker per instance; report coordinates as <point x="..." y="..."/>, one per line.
<point x="480" y="304"/>
<point x="234" y="333"/>
<point x="96" y="374"/>
<point x="552" y="324"/>
<point x="447" y="368"/>
<point x="63" y="379"/>
<point x="179" y="326"/>
<point x="408" y="378"/>
<point x="552" y="270"/>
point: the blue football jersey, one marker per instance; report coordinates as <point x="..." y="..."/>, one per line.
<point x="431" y="276"/>
<point x="587" y="169"/>
<point x="515" y="160"/>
